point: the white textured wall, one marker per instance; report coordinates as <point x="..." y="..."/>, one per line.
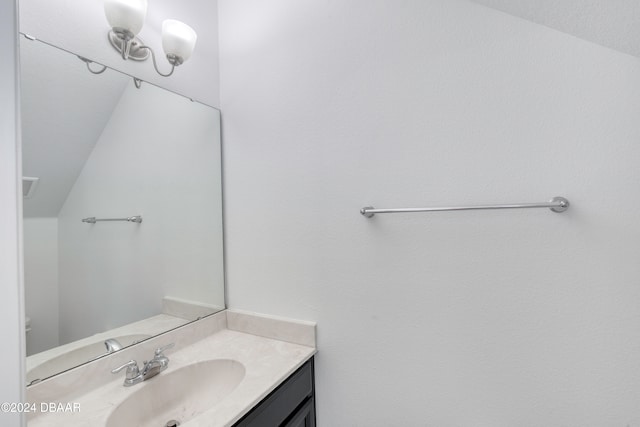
<point x="510" y="318"/>
<point x="158" y="157"/>
<point x="81" y="27"/>
<point x="40" y="236"/>
<point x="11" y="289"/>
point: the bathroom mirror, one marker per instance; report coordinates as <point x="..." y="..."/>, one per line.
<point x="122" y="209"/>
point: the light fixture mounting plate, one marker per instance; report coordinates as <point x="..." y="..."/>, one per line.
<point x="135" y="53"/>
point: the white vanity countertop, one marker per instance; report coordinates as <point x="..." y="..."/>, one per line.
<point x="268" y="362"/>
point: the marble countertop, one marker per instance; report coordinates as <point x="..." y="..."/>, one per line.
<point x="270" y="349"/>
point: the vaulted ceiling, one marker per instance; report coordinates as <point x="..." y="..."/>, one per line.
<point x="64" y="110"/>
<point x="611" y="23"/>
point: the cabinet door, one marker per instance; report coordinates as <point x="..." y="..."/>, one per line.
<point x="284" y="403"/>
<point x="305" y="417"/>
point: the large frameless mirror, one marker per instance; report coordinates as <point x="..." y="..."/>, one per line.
<point x="122" y="209"/>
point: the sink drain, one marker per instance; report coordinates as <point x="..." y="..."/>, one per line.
<point x="172" y="423"/>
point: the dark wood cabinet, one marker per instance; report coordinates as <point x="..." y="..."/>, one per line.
<point x="305" y="416"/>
<point x="292" y="404"/>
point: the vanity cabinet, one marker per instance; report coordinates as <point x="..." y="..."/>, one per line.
<point x="292" y="404"/>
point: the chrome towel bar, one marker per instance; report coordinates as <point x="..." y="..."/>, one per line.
<point x="557" y="204"/>
<point x="93" y="219"/>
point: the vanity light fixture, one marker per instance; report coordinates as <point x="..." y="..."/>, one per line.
<point x="126" y="18"/>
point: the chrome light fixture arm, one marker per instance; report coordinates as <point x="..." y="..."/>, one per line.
<point x="88" y="62"/>
<point x="173" y="60"/>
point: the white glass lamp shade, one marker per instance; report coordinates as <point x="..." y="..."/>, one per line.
<point x="127" y="14"/>
<point x="178" y="38"/>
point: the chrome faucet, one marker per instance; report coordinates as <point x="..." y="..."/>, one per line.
<point x="150" y="369"/>
<point x="112" y="345"/>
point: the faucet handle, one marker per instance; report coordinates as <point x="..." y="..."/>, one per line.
<point x="132" y="369"/>
<point x="160" y="350"/>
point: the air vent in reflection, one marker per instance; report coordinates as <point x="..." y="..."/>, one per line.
<point x="29" y="184"/>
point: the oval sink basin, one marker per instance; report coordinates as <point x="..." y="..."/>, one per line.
<point x="179" y="395"/>
<point x="78" y="356"/>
